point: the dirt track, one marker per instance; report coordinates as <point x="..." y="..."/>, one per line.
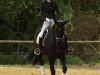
<point x="75" y="70"/>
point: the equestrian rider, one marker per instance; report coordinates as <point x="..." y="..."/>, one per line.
<point x="49" y="12"/>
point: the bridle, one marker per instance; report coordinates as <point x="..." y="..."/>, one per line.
<point x="61" y="38"/>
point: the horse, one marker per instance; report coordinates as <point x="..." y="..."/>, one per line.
<point x="54" y="44"/>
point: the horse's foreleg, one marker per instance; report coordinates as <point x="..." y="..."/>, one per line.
<point x="51" y="63"/>
<point x="42" y="70"/>
<point x="64" y="67"/>
<point x="42" y="65"/>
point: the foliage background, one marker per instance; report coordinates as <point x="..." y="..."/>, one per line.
<point x="19" y="19"/>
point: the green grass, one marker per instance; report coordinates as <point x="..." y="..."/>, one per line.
<point x="74" y="60"/>
<point x="5" y="59"/>
<point x="9" y="59"/>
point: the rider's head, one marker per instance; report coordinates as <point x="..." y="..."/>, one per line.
<point x="48" y="0"/>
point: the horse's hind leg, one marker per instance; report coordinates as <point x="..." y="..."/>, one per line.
<point x="51" y="63"/>
<point x="63" y="62"/>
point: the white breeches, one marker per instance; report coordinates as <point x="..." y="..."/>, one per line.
<point x="46" y="25"/>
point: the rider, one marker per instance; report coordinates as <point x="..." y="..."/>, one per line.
<point x="49" y="12"/>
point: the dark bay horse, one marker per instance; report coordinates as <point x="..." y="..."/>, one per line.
<point x="54" y="44"/>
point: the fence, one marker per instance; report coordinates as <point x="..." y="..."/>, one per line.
<point x="14" y="56"/>
<point x="22" y="41"/>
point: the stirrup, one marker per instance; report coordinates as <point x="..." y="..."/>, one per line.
<point x="37" y="51"/>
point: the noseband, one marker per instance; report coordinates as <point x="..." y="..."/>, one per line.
<point x="59" y="38"/>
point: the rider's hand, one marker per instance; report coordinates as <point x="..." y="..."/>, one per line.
<point x="47" y="19"/>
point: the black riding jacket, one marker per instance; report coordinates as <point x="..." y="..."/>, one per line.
<point x="49" y="10"/>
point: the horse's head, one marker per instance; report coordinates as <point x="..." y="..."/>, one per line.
<point x="59" y="29"/>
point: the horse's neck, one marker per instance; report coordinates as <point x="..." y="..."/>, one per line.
<point x="50" y="36"/>
<point x="52" y="31"/>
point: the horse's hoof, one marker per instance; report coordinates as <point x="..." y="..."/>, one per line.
<point x="37" y="51"/>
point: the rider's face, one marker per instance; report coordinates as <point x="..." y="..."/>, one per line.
<point x="49" y="0"/>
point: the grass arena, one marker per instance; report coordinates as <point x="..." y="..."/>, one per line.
<point x="35" y="70"/>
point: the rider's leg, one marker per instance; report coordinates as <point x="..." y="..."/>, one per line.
<point x="44" y="27"/>
<point x="46" y="24"/>
<point x="40" y="35"/>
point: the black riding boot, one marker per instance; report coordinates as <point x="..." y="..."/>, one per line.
<point x="40" y="43"/>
